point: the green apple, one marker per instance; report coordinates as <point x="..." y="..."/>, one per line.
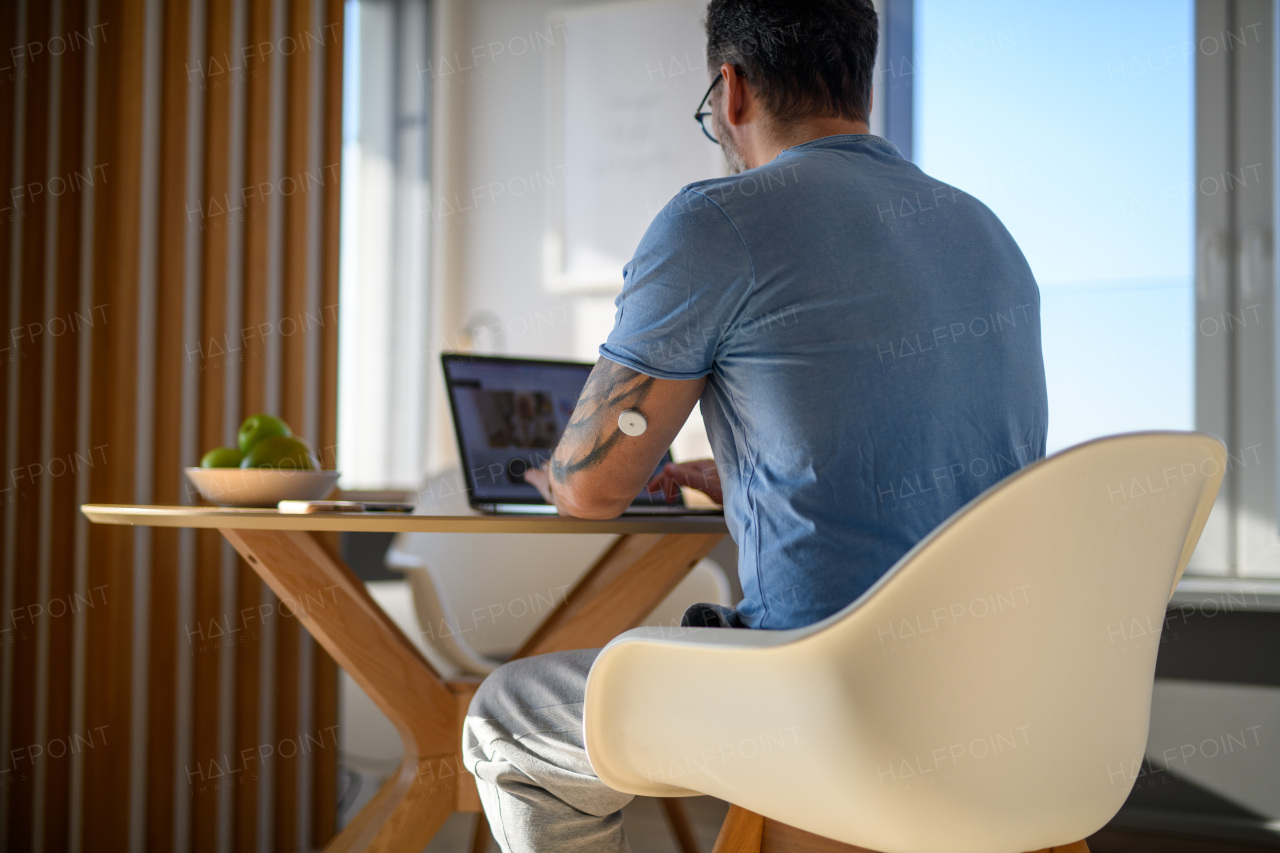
<point x="222" y="457"/>
<point x="286" y="452"/>
<point x="259" y="427"/>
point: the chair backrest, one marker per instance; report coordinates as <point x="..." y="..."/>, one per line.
<point x="1003" y="670"/>
<point x="991" y="693"/>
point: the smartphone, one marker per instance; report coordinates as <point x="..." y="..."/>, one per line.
<point x="320" y="506"/>
<point x="387" y="506"/>
<point x="343" y="506"/>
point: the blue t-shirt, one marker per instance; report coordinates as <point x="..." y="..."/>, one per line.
<point x="871" y="338"/>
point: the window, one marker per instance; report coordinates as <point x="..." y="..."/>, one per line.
<point x="383" y="300"/>
<point x="1128" y="148"/>
<point x="1079" y="136"/>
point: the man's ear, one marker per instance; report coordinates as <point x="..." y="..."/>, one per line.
<point x="738" y="101"/>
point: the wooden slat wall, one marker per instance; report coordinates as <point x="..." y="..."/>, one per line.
<point x="253" y="395"/>
<point x="64" y="367"/>
<point x="212" y="369"/>
<point x="113" y="261"/>
<point x="165" y="637"/>
<point x="30" y="380"/>
<point x="232" y="242"/>
<point x="324" y="674"/>
<point x="11" y="357"/>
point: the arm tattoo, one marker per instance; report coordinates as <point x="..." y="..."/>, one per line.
<point x="591" y="432"/>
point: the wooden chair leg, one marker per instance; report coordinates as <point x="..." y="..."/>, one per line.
<point x="747" y="832"/>
<point x="680" y="826"/>
<point x="480" y="837"/>
<point x="740" y="832"/>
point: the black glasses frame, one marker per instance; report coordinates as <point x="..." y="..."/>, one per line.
<point x="702" y="115"/>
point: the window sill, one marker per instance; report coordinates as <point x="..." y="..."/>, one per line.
<point x="1228" y="594"/>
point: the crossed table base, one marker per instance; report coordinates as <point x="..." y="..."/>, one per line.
<point x="651" y="556"/>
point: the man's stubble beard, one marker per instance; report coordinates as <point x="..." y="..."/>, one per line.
<point x="732" y="157"/>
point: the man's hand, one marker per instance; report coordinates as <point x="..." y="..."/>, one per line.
<point x="699" y="474"/>
<point x="540" y="479"/>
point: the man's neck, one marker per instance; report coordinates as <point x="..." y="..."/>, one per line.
<point x="798" y="133"/>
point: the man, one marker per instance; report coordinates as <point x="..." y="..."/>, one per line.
<point x="864" y="342"/>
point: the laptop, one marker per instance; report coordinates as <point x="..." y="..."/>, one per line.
<point x="508" y="414"/>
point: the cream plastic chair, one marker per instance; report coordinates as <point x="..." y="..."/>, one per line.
<point x="990" y="694"/>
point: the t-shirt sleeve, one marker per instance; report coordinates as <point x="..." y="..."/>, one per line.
<point x="681" y="291"/>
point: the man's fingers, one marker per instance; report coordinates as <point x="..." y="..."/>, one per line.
<point x="700" y="475"/>
<point x="687" y="475"/>
<point x="670" y="488"/>
<point x="665" y="484"/>
<point x="538" y="478"/>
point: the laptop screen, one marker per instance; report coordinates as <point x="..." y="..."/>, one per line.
<point x="508" y="414"/>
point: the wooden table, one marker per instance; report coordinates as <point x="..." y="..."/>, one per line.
<point x="651" y="556"/>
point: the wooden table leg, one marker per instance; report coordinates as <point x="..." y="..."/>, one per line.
<point x="681" y="827"/>
<point x="617" y="593"/>
<point x="335" y="607"/>
<point x="620" y="590"/>
<point x="468" y="798"/>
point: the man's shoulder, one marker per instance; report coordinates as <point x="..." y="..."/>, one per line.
<point x="729" y="190"/>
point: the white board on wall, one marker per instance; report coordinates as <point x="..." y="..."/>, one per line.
<point x="622" y="94"/>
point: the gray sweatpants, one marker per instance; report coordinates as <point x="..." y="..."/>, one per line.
<point x="523" y="741"/>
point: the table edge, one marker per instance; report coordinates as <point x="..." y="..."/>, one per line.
<point x="266" y="519"/>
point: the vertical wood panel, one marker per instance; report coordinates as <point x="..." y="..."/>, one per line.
<point x="293" y="389"/>
<point x="250" y="589"/>
<point x="65" y="368"/>
<point x="257" y="181"/>
<point x="324" y="684"/>
<point x="166" y="634"/>
<point x="113" y="410"/>
<point x="212" y="372"/>
<point x="29" y="349"/>
<point x="9" y="220"/>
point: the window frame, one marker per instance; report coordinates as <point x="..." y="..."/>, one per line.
<point x="1235" y="282"/>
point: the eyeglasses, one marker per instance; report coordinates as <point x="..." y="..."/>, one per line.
<point x="702" y="115"/>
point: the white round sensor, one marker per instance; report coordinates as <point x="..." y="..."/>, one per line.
<point x="632" y="422"/>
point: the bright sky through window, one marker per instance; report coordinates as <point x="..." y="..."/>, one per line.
<point x="1074" y="123"/>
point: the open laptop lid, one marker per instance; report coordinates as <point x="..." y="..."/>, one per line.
<point x="508" y="414"/>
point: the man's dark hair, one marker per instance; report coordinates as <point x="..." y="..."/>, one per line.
<point x="802" y="58"/>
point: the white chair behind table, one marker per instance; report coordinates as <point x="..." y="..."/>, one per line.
<point x="480" y="596"/>
<point x="989" y="695"/>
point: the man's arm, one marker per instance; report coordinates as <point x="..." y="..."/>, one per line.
<point x="597" y="470"/>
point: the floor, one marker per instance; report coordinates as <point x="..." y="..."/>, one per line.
<point x="1124" y="841"/>
<point x="647" y="829"/>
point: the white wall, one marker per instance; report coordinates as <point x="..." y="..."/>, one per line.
<point x="491" y="170"/>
